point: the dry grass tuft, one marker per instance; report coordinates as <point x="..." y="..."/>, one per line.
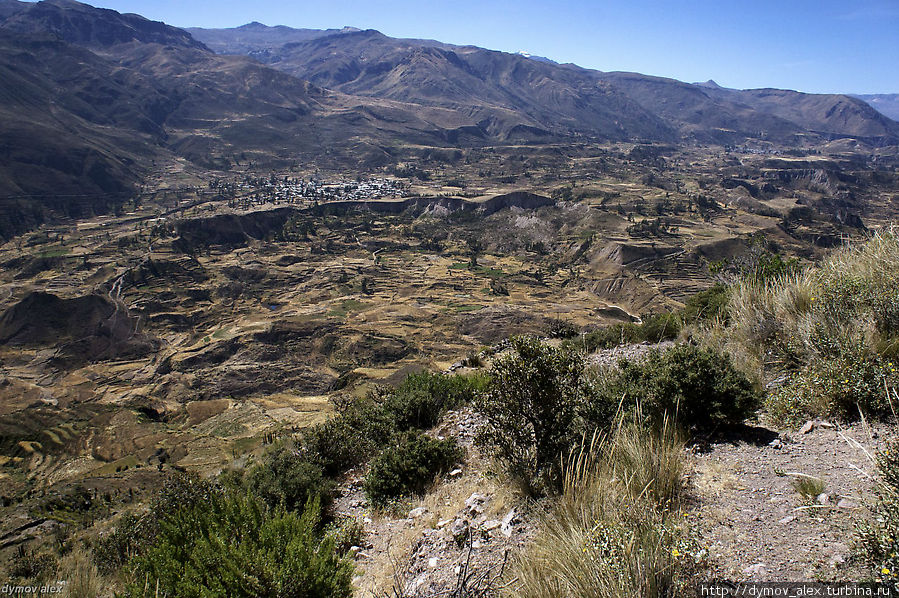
<point x="615" y="531"/>
<point x="833" y="329"/>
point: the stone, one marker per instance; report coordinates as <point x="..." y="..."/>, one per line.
<point x="443" y="523"/>
<point x="823" y="499"/>
<point x="836" y="560"/>
<point x="458" y="529"/>
<point x="416" y="513"/>
<point x="787" y="519"/>
<point x="475" y="499"/>
<point x="758" y="569"/>
<point x="432" y="562"/>
<point x="807" y="427"/>
<point x="491" y="525"/>
<point x="455" y="472"/>
<point x="776" y="443"/>
<point x="508" y="523"/>
<point x="845" y="503"/>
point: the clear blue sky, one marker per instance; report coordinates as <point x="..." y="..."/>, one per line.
<point x="821" y="46"/>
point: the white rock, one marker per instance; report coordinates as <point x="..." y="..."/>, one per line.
<point x="511" y="517"/>
<point x="490" y="525"/>
<point x="432" y="562"/>
<point x="787" y="519"/>
<point x="455" y="473"/>
<point x="443" y="523"/>
<point x="845" y="503"/>
<point x="416" y="513"/>
<point x="807" y="427"/>
<point x="823" y="499"/>
<point x="757" y="569"/>
<point x="776" y="443"/>
<point x="475" y="499"/>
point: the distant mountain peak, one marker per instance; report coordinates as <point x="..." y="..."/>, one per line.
<point x="526" y="54"/>
<point x="256" y="25"/>
<point x="710" y="84"/>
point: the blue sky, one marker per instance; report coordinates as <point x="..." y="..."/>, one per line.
<point x="821" y="46"/>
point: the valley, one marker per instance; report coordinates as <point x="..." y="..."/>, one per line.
<point x="252" y="264"/>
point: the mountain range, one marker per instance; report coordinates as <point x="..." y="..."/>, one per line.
<point x="93" y="100"/>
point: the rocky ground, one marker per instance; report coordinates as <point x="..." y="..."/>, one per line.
<point x="463" y="532"/>
<point x="758" y="527"/>
<point x="754" y="523"/>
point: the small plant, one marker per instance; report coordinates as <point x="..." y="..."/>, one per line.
<point x="877" y="542"/>
<point x="561" y="329"/>
<point x="409" y="467"/>
<point x="345" y="532"/>
<point x="808" y="487"/>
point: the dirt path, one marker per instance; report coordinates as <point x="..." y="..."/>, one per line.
<point x="758" y="527"/>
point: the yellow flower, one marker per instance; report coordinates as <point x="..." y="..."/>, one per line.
<point x="885" y="571"/>
<point x="675" y="553"/>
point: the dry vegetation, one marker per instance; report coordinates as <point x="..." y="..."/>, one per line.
<point x="204" y="332"/>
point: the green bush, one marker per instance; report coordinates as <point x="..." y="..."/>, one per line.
<point x="878" y="539"/>
<point x="409" y="467"/>
<point x="698" y="386"/>
<point x="286" y="477"/>
<point x="232" y="546"/>
<point x="134" y="532"/>
<point x="839" y="387"/>
<point x="706" y="305"/>
<point x="423" y="397"/>
<point x="531" y="408"/>
<point x="349" y="439"/>
<point x="653" y="329"/>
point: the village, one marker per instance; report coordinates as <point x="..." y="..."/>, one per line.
<point x="250" y="192"/>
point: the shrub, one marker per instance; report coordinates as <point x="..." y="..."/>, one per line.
<point x="286" y="477"/>
<point x="114" y="549"/>
<point x="878" y="539"/>
<point x="531" y="408"/>
<point x="818" y="328"/>
<point x="837" y="387"/>
<point x="423" y="397"/>
<point x="349" y="439"/>
<point x="134" y="532"/>
<point x="232" y="546"/>
<point x="653" y="328"/>
<point x="698" y="386"/>
<point x="409" y="467"/>
<point x="706" y="305"/>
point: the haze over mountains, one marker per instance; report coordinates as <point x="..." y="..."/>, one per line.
<point x="93" y="100"/>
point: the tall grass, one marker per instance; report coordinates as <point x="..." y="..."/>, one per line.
<point x="831" y="331"/>
<point x="615" y="531"/>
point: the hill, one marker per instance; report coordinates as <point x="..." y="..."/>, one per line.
<point x="560" y="98"/>
<point x="885" y="103"/>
